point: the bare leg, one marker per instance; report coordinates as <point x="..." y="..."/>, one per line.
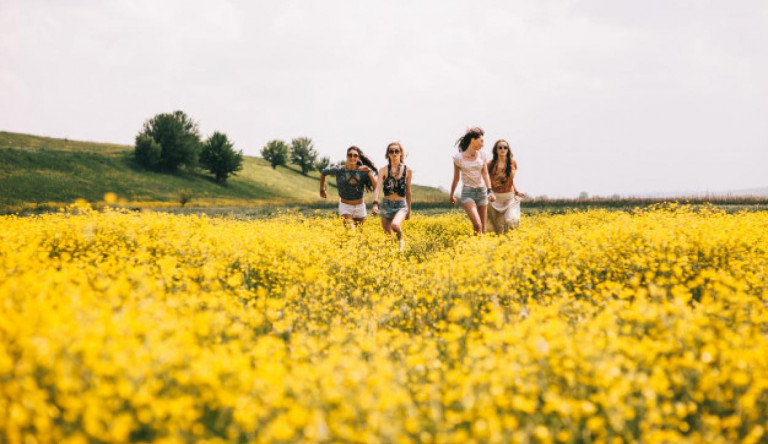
<point x="482" y="211"/>
<point x="386" y="224"/>
<point x="397" y="223"/>
<point x="494" y="219"/>
<point x="347" y="219"/>
<point x="474" y="216"/>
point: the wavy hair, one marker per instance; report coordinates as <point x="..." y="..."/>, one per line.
<point x="469" y="136"/>
<point x="364" y="160"/>
<point x="495" y="160"/>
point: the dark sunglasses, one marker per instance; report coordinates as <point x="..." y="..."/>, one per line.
<point x="394" y="151"/>
<point x="502" y="147"/>
<point x="352" y="155"/>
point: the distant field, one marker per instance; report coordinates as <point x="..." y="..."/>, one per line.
<point x="45" y="173"/>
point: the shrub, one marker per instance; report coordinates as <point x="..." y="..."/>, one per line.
<point x="303" y="154"/>
<point x="148" y="152"/>
<point x="219" y="157"/>
<point x="275" y="152"/>
<point x="178" y="137"/>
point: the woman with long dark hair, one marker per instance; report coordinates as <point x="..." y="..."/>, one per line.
<point x="353" y="178"/>
<point x="395" y="182"/>
<point x="505" y="211"/>
<point x="470" y="164"/>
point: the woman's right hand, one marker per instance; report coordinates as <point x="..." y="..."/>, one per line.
<point x="453" y="199"/>
<point x="323" y="194"/>
<point x="375" y="209"/>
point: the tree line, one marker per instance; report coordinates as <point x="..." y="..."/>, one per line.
<point x="169" y="141"/>
<point x="300" y="152"/>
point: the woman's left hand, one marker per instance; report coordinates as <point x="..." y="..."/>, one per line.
<point x="491" y="198"/>
<point x="408" y="215"/>
<point x="364" y="169"/>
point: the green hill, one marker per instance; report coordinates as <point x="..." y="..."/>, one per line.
<point x="45" y="172"/>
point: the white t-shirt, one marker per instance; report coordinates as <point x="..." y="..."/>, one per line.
<point x="471" y="170"/>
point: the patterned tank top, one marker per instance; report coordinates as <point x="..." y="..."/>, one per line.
<point x="392" y="185"/>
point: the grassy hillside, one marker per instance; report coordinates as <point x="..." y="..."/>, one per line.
<point x="40" y="171"/>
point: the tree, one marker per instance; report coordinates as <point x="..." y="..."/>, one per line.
<point x="147" y="152"/>
<point x="583" y="195"/>
<point x="178" y="137"/>
<point x="275" y="152"/>
<point x="220" y="158"/>
<point x="323" y="163"/>
<point x="303" y="154"/>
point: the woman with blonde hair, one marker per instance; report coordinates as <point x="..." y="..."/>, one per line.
<point x="505" y="211"/>
<point x="395" y="182"/>
<point x="470" y="163"/>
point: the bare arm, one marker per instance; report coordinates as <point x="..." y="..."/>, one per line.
<point x="323" y="194"/>
<point x="408" y="193"/>
<point x="514" y="187"/>
<point x="487" y="180"/>
<point x="455" y="182"/>
<point x="376" y="191"/>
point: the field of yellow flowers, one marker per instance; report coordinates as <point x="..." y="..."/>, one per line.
<point x="594" y="326"/>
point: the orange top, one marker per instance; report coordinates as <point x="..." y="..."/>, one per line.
<point x="500" y="183"/>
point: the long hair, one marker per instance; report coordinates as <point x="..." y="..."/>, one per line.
<point x="402" y="152"/>
<point x="469" y="136"/>
<point x="508" y="166"/>
<point x="364" y="160"/>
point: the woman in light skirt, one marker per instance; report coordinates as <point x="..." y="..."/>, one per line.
<point x="504" y="213"/>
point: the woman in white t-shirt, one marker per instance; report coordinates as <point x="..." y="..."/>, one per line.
<point x="470" y="164"/>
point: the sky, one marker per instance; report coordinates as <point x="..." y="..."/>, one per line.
<point x="598" y="96"/>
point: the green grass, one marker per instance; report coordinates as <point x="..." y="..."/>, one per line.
<point x="43" y="173"/>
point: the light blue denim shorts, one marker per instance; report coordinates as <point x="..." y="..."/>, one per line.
<point x="477" y="195"/>
<point x="389" y="208"/>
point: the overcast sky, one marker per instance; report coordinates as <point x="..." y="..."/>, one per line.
<point x="602" y="96"/>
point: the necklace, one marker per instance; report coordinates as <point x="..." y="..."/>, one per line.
<point x="397" y="173"/>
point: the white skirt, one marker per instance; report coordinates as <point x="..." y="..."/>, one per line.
<point x="507" y="203"/>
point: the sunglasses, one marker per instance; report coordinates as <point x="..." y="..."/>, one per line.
<point x="352" y="155"/>
<point x="502" y="147"/>
<point x="394" y="151"/>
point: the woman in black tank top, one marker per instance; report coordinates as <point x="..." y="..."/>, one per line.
<point x="395" y="182"/>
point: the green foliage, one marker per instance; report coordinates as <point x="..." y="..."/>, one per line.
<point x="185" y="196"/>
<point x="275" y="152"/>
<point x="179" y="138"/>
<point x="148" y="152"/>
<point x="219" y="157"/>
<point x="322" y="163"/>
<point x="42" y="172"/>
<point x="303" y="154"/>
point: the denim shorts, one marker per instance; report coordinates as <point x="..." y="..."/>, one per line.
<point x="477" y="195"/>
<point x="389" y="208"/>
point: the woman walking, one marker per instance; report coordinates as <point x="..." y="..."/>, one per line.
<point x="352" y="180"/>
<point x="470" y="164"/>
<point x="505" y="211"/>
<point x="395" y="182"/>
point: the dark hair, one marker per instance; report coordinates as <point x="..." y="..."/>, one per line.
<point x="402" y="152"/>
<point x="469" y="136"/>
<point x="364" y="160"/>
<point x="492" y="165"/>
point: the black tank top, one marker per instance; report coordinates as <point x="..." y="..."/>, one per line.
<point x="392" y="185"/>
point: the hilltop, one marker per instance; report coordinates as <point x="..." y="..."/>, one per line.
<point x="47" y="172"/>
